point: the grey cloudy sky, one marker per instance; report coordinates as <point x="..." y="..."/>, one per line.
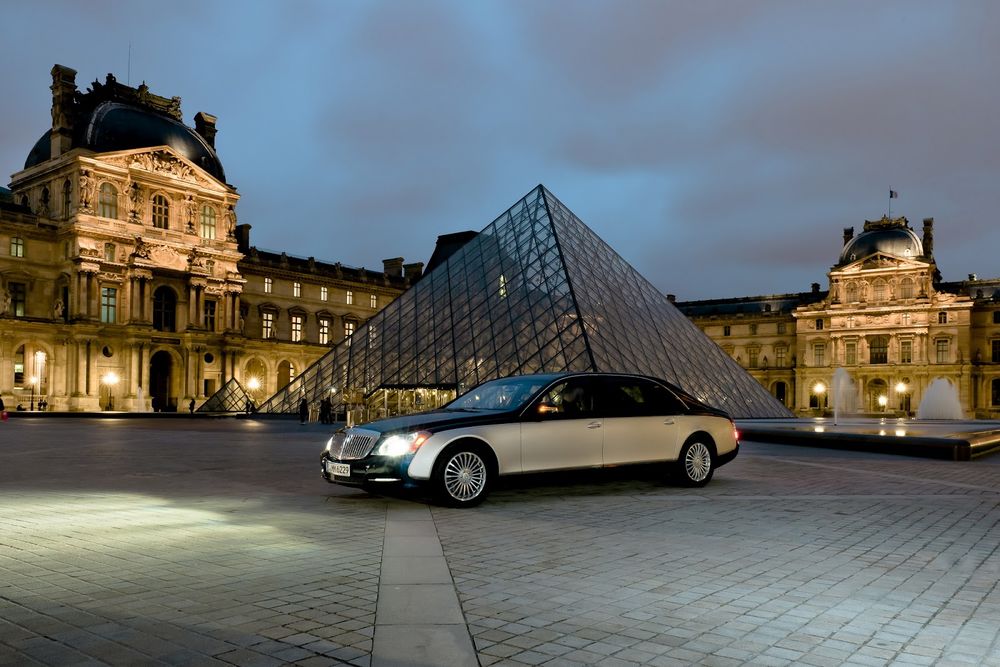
<point x="719" y="146"/>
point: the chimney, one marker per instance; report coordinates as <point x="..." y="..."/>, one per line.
<point x="848" y="234"/>
<point x="672" y="298"/>
<point x="204" y="124"/>
<point x="413" y="271"/>
<point x="63" y="109"/>
<point x="928" y="237"/>
<point x="242" y="233"/>
<point x="393" y="267"/>
<point x="815" y="287"/>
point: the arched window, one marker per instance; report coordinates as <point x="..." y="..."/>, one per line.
<point x="107" y="202"/>
<point x="67" y="199"/>
<point x="852" y="293"/>
<point x="207" y="222"/>
<point x="906" y="288"/>
<point x="161" y="211"/>
<point x="286" y="373"/>
<point x="164" y="309"/>
<point x="44" y="208"/>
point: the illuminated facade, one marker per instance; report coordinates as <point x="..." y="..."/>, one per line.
<point x="886" y="318"/>
<point x="126" y="282"/>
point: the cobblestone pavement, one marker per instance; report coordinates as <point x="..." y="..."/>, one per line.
<point x="214" y="541"/>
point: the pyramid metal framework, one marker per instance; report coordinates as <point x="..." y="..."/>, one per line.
<point x="232" y="397"/>
<point x="535" y="291"/>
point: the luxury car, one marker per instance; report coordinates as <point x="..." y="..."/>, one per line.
<point x="535" y="423"/>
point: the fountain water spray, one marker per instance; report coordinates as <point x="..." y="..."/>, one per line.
<point x="842" y="393"/>
<point x="940" y="401"/>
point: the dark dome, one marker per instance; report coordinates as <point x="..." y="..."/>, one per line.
<point x="899" y="241"/>
<point x="118" y="126"/>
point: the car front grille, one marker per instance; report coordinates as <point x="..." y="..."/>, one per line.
<point x="355" y="446"/>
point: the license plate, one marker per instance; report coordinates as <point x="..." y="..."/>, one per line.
<point x="339" y="469"/>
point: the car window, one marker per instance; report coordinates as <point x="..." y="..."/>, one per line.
<point x="503" y="394"/>
<point x="636" y="397"/>
<point x="570" y="399"/>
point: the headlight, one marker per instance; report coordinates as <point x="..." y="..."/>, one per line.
<point x="404" y="443"/>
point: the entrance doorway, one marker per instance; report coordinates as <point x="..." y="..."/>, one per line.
<point x="160" y="370"/>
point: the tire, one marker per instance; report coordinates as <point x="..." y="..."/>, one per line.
<point x="462" y="477"/>
<point x="696" y="464"/>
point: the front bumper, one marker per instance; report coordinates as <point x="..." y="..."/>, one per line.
<point x="366" y="471"/>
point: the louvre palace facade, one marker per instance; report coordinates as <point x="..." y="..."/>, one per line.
<point x="126" y="281"/>
<point x="886" y="317"/>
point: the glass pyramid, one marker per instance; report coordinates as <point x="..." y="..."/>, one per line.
<point x="232" y="397"/>
<point x="535" y="291"/>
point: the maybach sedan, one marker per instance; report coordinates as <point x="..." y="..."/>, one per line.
<point x="535" y="423"/>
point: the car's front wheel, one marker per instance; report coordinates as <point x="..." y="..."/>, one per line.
<point x="462" y="477"/>
<point x="696" y="463"/>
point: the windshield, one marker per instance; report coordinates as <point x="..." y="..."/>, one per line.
<point x="504" y="394"/>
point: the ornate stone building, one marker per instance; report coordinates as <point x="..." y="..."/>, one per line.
<point x="887" y="319"/>
<point x="125" y="280"/>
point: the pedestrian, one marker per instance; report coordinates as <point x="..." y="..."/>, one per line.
<point x="324" y="411"/>
<point x="248" y="408"/>
<point x="3" y="410"/>
<point x="191" y="406"/>
<point x="303" y="411"/>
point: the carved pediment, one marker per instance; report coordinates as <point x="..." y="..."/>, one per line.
<point x="880" y="261"/>
<point x="164" y="162"/>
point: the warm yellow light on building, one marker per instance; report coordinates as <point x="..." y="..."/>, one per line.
<point x="819" y="388"/>
<point x="883" y="400"/>
<point x="253" y="383"/>
<point x="901" y="388"/>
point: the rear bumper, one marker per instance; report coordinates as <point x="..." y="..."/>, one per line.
<point x="723" y="459"/>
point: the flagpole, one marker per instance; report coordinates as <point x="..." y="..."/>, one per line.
<point x="890" y="204"/>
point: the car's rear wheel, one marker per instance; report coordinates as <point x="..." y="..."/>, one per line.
<point x="463" y="477"/>
<point x="696" y="464"/>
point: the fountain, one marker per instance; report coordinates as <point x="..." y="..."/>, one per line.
<point x="843" y="394"/>
<point x="940" y="401"/>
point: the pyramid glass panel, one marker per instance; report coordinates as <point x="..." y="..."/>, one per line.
<point x="536" y="290"/>
<point x="232" y="397"/>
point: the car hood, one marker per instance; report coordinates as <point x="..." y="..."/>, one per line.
<point x="436" y="420"/>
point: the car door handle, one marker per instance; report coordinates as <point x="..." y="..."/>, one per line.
<point x="668" y="422"/>
<point x="594" y="425"/>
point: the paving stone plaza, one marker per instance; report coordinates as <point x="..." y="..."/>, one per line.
<point x="198" y="541"/>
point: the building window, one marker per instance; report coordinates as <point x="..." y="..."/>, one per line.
<point x="781" y="327"/>
<point x="164" y="309"/>
<point x="297" y="289"/>
<point x="207" y="222"/>
<point x="348" y="328"/>
<point x="753" y="329"/>
<point x="324" y="293"/>
<point x="210" y="307"/>
<point x="268" y="285"/>
<point x="726" y="330"/>
<point x="878" y="350"/>
<point x="16" y="246"/>
<point x="753" y="354"/>
<point x="906" y="289"/>
<point x="851" y="322"/>
<point x="852" y="293"/>
<point x="19" y="367"/>
<point x="373" y="301"/>
<point x="906" y="352"/>
<point x="109" y="252"/>
<point x="109" y="305"/>
<point x="996" y="350"/>
<point x="324" y="331"/>
<point x="905" y="319"/>
<point x="161" y="211"/>
<point x="851" y="354"/>
<point x="942" y="318"/>
<point x="67" y="199"/>
<point x="107" y="202"/>
<point x="996" y="392"/>
<point x="819" y="354"/>
<point x="879" y="291"/>
<point x="779" y="356"/>
<point x="267" y="325"/>
<point x="996" y="317"/>
<point x="819" y="325"/>
<point x="18" y="298"/>
<point x="350" y="297"/>
<point x="942" y="351"/>
<point x="296" y="328"/>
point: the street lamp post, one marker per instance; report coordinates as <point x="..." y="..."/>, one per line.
<point x="883" y="400"/>
<point x="110" y="379"/>
<point x="33" y="380"/>
<point x="819" y="389"/>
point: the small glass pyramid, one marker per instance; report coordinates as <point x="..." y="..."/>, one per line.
<point x="232" y="397"/>
<point x="535" y="291"/>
